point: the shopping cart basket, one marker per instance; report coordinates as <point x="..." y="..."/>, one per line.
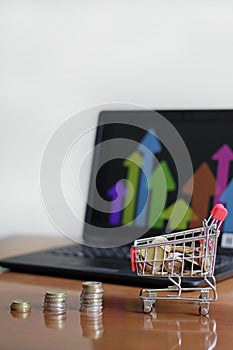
<point x="179" y="255"/>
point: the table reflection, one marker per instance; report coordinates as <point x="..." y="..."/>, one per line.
<point x="55" y="321"/>
<point x="179" y="331"/>
<point x="92" y="325"/>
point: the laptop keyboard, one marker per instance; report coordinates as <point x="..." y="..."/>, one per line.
<point x="122" y="252"/>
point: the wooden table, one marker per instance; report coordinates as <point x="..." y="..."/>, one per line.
<point x="122" y="326"/>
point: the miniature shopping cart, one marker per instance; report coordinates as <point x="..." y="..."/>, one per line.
<point x="185" y="254"/>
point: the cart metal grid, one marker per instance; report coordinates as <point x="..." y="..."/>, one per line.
<point x="190" y="253"/>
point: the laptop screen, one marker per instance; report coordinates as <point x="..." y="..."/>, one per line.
<point x="158" y="172"/>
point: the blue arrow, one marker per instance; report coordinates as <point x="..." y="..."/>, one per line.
<point x="227" y="199"/>
<point x="148" y="147"/>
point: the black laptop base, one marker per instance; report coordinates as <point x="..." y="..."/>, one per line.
<point x="108" y="270"/>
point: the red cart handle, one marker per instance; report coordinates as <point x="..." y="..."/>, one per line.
<point x="219" y="212"/>
<point x="132" y="257"/>
<point x="215" y="208"/>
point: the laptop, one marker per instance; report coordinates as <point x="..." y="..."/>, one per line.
<point x="125" y="202"/>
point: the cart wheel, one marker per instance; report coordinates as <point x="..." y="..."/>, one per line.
<point x="146" y="309"/>
<point x="203" y="311"/>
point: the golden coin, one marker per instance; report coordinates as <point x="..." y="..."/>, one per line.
<point x="155" y="255"/>
<point x="163" y="240"/>
<point x="20" y="305"/>
<point x="183" y="249"/>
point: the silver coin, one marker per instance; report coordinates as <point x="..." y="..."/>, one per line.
<point x="83" y="297"/>
<point x="92" y="302"/>
<point x="92" y="284"/>
<point x="55" y="310"/>
<point x="93" y="307"/>
<point x="92" y="293"/>
<point x="55" y="300"/>
<point x="55" y="305"/>
<point x="56" y="292"/>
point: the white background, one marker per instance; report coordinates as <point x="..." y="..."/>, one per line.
<point x="58" y="57"/>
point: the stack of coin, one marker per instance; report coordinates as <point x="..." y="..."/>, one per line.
<point x="91" y="299"/>
<point x="20" y="308"/>
<point x="55" y="301"/>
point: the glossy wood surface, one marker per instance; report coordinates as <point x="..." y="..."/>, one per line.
<point x="123" y="325"/>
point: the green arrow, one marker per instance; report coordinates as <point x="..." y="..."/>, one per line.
<point x="133" y="164"/>
<point x="181" y="215"/>
<point x="161" y="182"/>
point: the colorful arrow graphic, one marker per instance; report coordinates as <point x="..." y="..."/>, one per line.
<point x="161" y="182"/>
<point x="181" y="215"/>
<point x="148" y="147"/>
<point x="133" y="164"/>
<point x="224" y="156"/>
<point x="227" y="199"/>
<point x="117" y="194"/>
<point x="203" y="189"/>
